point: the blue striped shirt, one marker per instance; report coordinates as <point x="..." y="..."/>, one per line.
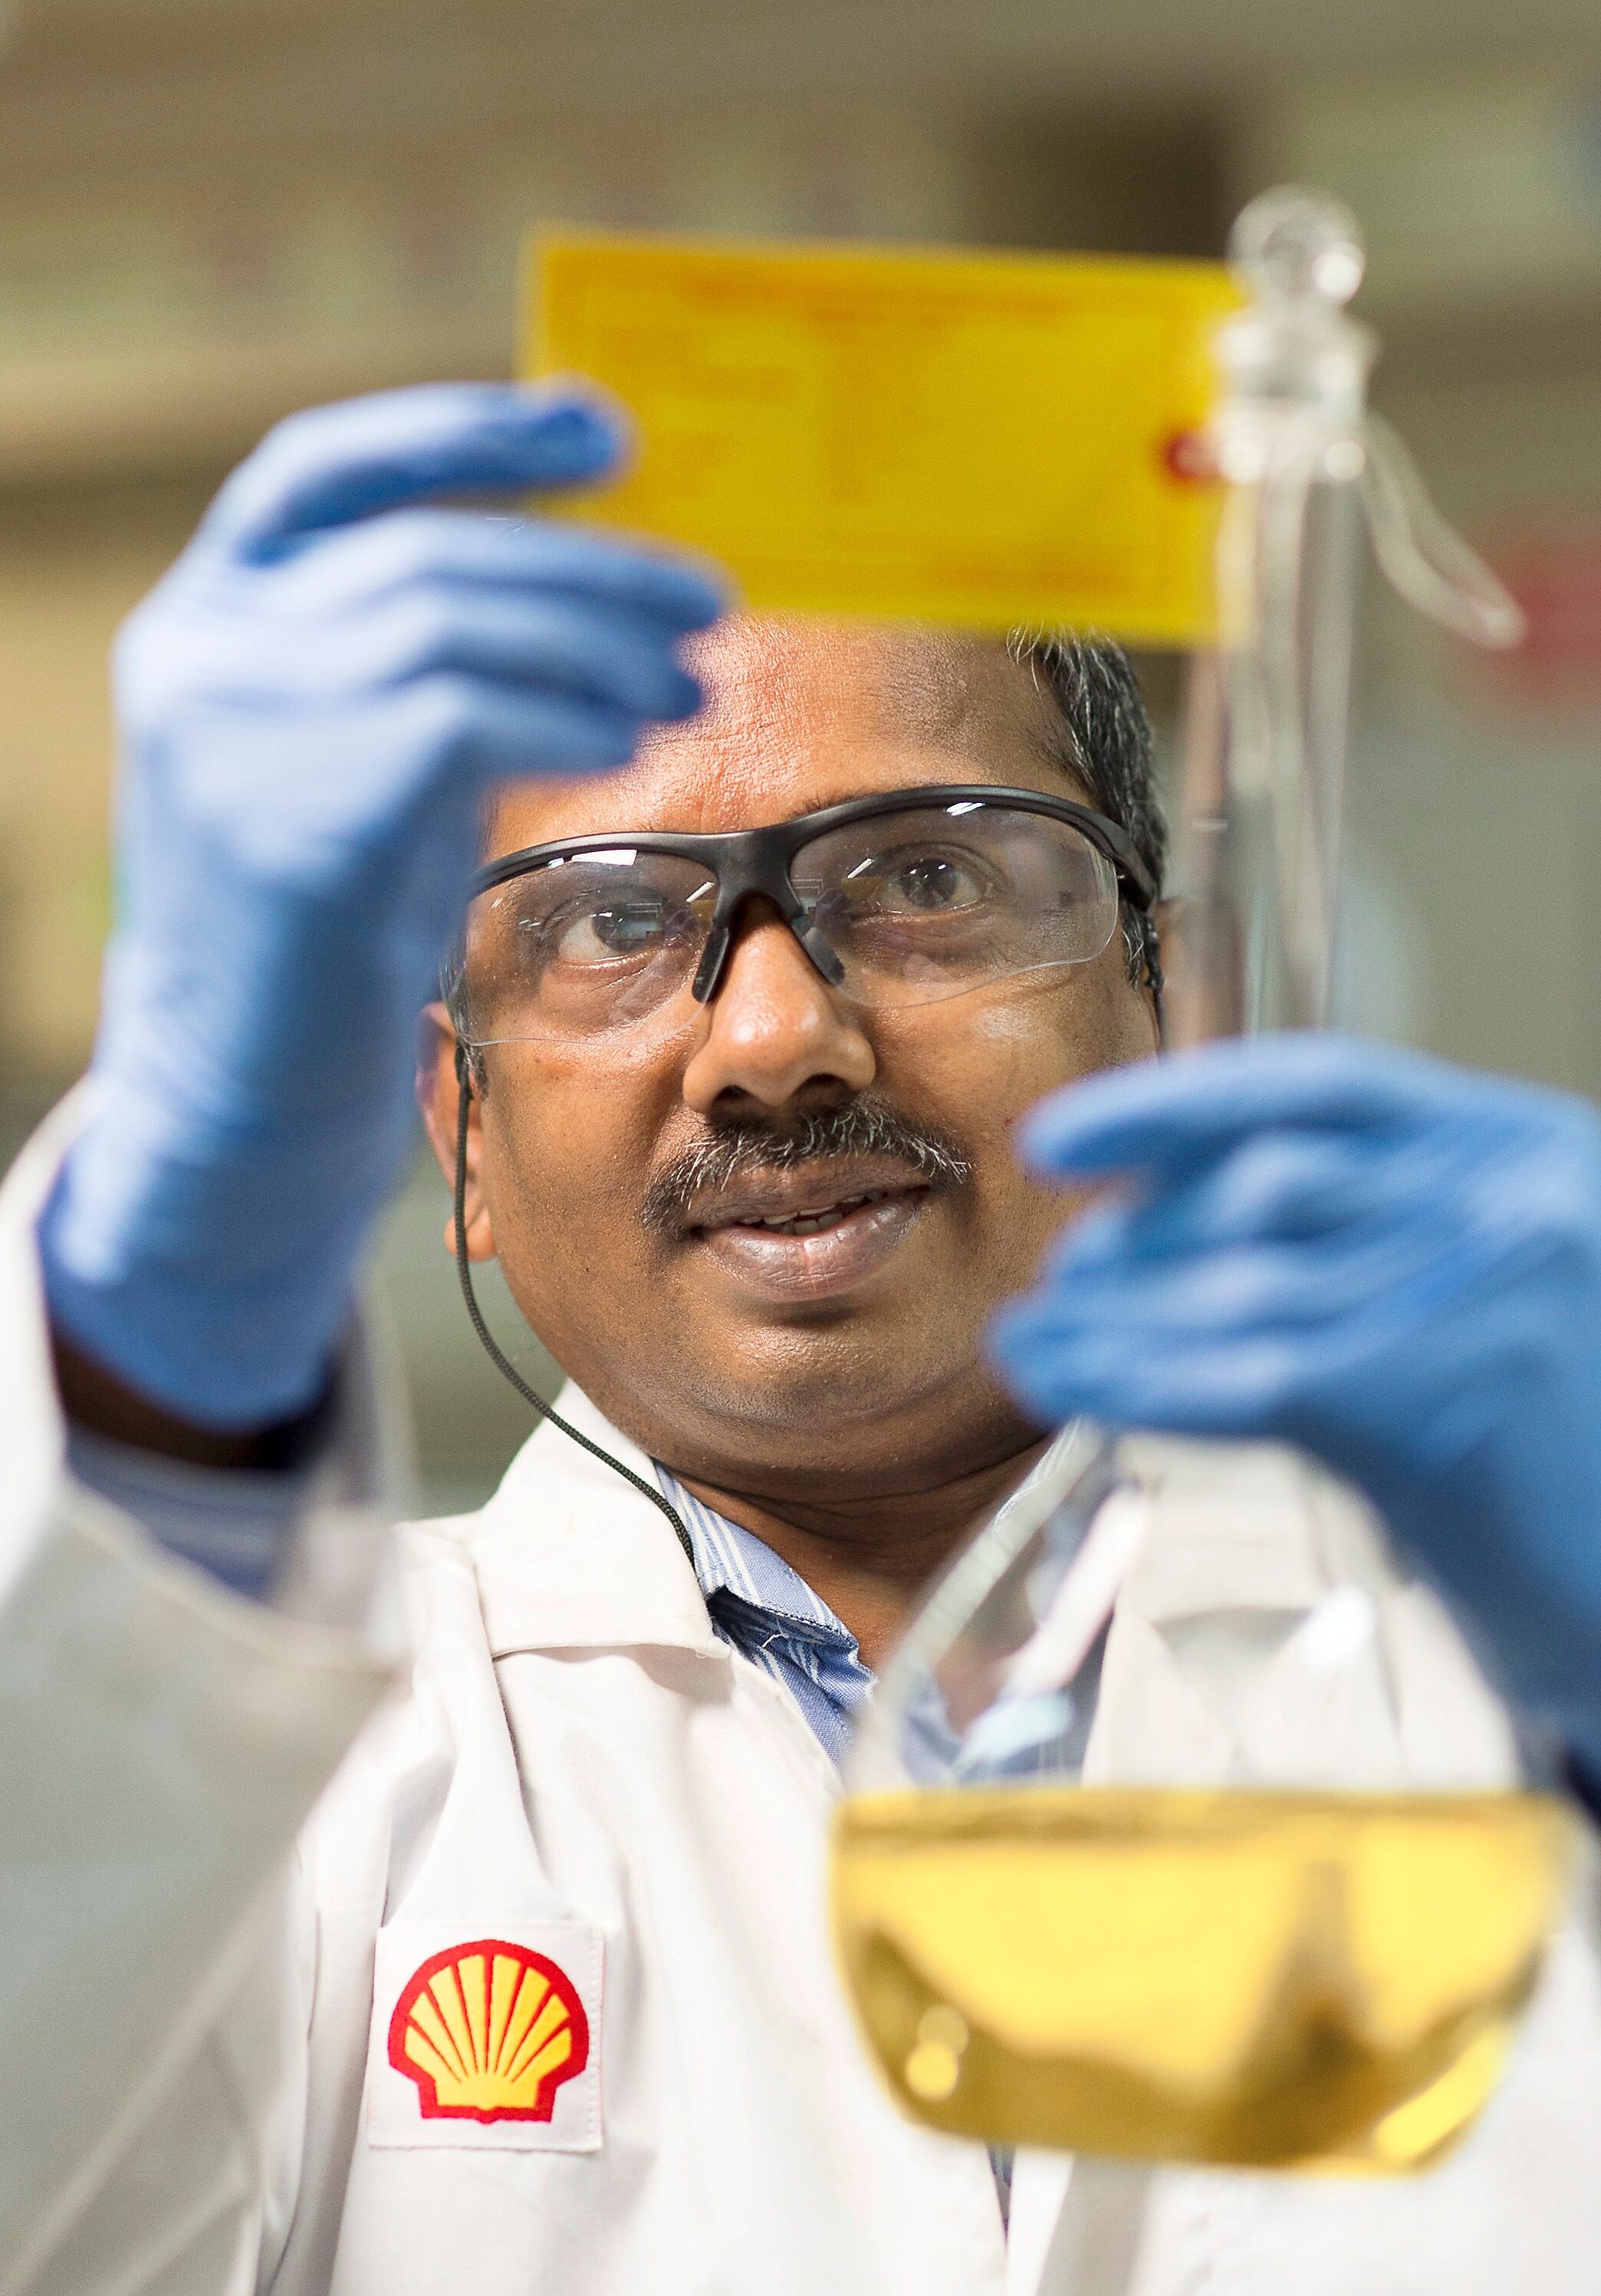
<point x="767" y="1612"/>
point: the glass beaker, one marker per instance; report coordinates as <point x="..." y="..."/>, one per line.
<point x="1183" y="1825"/>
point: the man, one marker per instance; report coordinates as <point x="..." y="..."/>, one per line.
<point x="547" y="2002"/>
<point x="814" y="1370"/>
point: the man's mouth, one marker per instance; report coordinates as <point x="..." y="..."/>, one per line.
<point x="800" y="1236"/>
<point x="801" y="1203"/>
<point x="807" y="1213"/>
<point x="815" y="1223"/>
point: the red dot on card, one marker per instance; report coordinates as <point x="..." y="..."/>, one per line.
<point x="1188" y="454"/>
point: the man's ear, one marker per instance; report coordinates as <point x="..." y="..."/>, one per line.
<point x="439" y="1096"/>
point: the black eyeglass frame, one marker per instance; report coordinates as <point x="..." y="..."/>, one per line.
<point x="754" y="864"/>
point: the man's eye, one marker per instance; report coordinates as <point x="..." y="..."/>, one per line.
<point x="608" y="935"/>
<point x="925" y="884"/>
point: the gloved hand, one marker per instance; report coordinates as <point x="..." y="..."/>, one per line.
<point x="313" y="703"/>
<point x="1392" y="1263"/>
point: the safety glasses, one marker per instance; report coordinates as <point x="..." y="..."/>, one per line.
<point x="907" y="898"/>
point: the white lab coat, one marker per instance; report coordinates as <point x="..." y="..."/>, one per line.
<point x="199" y="2092"/>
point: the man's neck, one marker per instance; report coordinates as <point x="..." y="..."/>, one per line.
<point x="870" y="1561"/>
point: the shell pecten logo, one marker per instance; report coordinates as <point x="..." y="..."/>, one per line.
<point x="489" y="2032"/>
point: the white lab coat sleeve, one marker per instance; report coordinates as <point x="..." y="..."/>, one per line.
<point x="161" y="1743"/>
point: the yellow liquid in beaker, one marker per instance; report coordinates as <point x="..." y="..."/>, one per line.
<point x="1267" y="1979"/>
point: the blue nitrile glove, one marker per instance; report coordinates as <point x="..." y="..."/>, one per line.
<point x="313" y="703"/>
<point x="1392" y="1263"/>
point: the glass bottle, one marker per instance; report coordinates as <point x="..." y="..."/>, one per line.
<point x="1183" y="1826"/>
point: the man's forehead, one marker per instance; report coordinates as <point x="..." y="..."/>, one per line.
<point x="805" y="713"/>
<point x="809" y="674"/>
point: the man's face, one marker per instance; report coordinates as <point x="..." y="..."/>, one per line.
<point x="839" y="1349"/>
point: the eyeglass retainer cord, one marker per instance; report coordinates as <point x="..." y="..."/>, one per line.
<point x="1150" y="957"/>
<point x="491" y="1346"/>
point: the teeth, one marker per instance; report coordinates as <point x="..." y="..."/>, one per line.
<point x="814" y="1223"/>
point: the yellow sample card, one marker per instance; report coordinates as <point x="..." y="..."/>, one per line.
<point x="925" y="436"/>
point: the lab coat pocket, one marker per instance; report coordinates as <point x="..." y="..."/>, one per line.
<point x="486" y="2036"/>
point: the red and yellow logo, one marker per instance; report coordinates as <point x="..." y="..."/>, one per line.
<point x="489" y="2032"/>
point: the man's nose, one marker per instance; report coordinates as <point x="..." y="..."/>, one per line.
<point x="775" y="1026"/>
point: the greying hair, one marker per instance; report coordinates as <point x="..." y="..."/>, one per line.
<point x="1105" y="742"/>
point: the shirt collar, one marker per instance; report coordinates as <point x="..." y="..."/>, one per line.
<point x="762" y="1608"/>
<point x="734" y="1565"/>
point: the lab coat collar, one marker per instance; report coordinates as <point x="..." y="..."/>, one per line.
<point x="568" y="1556"/>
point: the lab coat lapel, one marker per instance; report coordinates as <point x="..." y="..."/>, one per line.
<point x="570" y="1556"/>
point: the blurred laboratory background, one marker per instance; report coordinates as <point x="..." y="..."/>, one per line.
<point x="214" y="211"/>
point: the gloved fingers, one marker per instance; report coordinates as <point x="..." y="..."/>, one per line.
<point x="335" y="464"/>
<point x="547" y="643"/>
<point x="1280" y="1186"/>
<point x="1510" y="1177"/>
<point x="1409" y="1262"/>
<point x="397" y="550"/>
<point x="1164" y="1114"/>
<point x="375" y="775"/>
<point x="541" y="641"/>
<point x="453" y="724"/>
<point x="1214" y="1290"/>
<point x="512" y="733"/>
<point x="1130" y="1376"/>
<point x="1249" y="1343"/>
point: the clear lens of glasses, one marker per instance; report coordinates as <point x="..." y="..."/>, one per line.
<point x="582" y="945"/>
<point x="916" y="906"/>
<point x="922" y="905"/>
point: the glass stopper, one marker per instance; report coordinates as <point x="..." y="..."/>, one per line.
<point x="1297" y="246"/>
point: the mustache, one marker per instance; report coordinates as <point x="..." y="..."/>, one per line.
<point x="734" y="1148"/>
